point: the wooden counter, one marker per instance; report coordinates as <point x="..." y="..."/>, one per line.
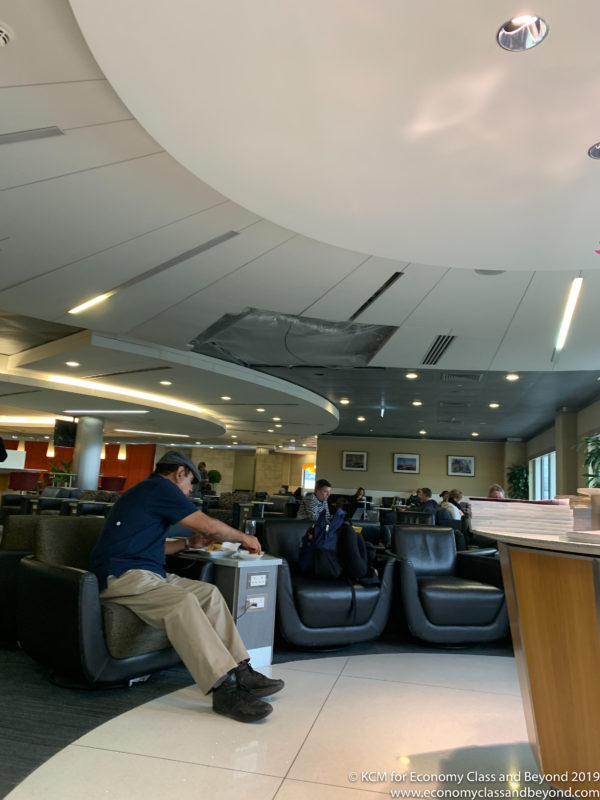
<point x="552" y="588"/>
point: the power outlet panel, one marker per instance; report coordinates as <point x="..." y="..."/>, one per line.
<point x="256" y="602"/>
<point x="256" y="579"/>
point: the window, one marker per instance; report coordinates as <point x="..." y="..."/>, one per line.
<point x="542" y="477"/>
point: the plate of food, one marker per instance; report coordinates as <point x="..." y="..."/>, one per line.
<point x="218" y="550"/>
<point x="246" y="556"/>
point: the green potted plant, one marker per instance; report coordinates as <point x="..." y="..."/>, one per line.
<point x="57" y="472"/>
<point x="214" y="476"/>
<point x="591" y="462"/>
<point x="517" y="477"/>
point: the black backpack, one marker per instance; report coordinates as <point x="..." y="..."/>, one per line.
<point x="318" y="554"/>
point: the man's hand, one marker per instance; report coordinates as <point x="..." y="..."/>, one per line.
<point x="199" y="540"/>
<point x="250" y="543"/>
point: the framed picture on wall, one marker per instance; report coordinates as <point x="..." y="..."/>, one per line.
<point x="354" y="459"/>
<point x="461" y="466"/>
<point x="406" y="462"/>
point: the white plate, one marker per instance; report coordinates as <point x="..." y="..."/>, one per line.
<point x="246" y="556"/>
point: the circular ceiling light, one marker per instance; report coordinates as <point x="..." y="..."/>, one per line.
<point x="225" y="397"/>
<point x="361" y="419"/>
<point x="72" y="363"/>
<point x="494" y="405"/>
<point x="344" y="401"/>
<point x="522" y="33"/>
<point x="260" y="410"/>
<point x="594" y="151"/>
<point x="474" y="433"/>
<point x="417" y="402"/>
<point x="422" y="433"/>
<point x="411" y="376"/>
<point x="512" y="376"/>
<point x="166" y="383"/>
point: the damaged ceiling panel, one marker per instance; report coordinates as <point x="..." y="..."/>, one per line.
<point x="260" y="338"/>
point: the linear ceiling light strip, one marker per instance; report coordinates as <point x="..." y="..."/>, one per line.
<point x="383" y="288"/>
<point x="201" y="248"/>
<point x="29" y="136"/>
<point x="568" y="313"/>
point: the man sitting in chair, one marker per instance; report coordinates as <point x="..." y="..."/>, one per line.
<point x="129" y="562"/>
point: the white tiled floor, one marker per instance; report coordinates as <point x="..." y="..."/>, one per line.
<point x="338" y="723"/>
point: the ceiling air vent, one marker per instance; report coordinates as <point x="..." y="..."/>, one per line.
<point x="6" y="35"/>
<point x="462" y="377"/>
<point x="438" y="347"/>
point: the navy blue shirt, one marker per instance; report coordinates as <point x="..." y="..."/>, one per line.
<point x="133" y="536"/>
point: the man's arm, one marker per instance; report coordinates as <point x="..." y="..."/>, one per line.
<point x="207" y="530"/>
<point x="311" y="504"/>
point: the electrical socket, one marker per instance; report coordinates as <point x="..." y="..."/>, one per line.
<point x="255" y="603"/>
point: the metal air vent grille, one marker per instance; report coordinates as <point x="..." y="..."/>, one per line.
<point x="437" y="349"/>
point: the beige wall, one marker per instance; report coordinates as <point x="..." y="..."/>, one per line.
<point x="380" y="479"/>
<point x="276" y="469"/>
<point x="540" y="444"/>
<point x="243" y="473"/>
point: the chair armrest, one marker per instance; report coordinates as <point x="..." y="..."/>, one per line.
<point x="59" y="618"/>
<point x="480" y="566"/>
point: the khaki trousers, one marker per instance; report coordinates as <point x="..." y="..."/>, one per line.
<point x="193" y="614"/>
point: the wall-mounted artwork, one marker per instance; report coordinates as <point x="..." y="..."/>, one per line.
<point x="461" y="466"/>
<point x="406" y="462"/>
<point x="354" y="459"/>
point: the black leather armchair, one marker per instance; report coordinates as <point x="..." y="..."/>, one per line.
<point x="446" y="596"/>
<point x="18" y="539"/>
<point x="322" y="613"/>
<point x="415" y="518"/>
<point x="61" y="622"/>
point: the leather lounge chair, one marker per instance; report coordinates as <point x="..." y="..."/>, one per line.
<point x="313" y="613"/>
<point x="446" y="596"/>
<point x="61" y="622"/>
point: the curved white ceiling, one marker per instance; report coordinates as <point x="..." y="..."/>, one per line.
<point x="351" y="123"/>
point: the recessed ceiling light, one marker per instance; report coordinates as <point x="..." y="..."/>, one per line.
<point x="260" y="410"/>
<point x="422" y="433"/>
<point x="411" y="376"/>
<point x="233" y="436"/>
<point x="474" y="433"/>
<point x="270" y="430"/>
<point x="279" y="425"/>
<point x="72" y="363"/>
<point x="417" y="402"/>
<point x="512" y="376"/>
<point x="522" y="33"/>
<point x="344" y="401"/>
<point x="361" y="419"/>
<point x="166" y="383"/>
<point x="225" y="397"/>
<point x="494" y="405"/>
<point x="594" y="151"/>
<point x="275" y="419"/>
<point x="292" y="440"/>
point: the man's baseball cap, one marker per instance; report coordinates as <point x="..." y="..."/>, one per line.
<point x="175" y="458"/>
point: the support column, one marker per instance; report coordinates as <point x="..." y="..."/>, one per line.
<point x="565" y="428"/>
<point x="88" y="449"/>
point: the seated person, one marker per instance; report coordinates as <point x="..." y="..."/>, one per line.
<point x="313" y="503"/>
<point x="425" y="502"/>
<point x="496" y="491"/>
<point x="128" y="560"/>
<point x="452" y="504"/>
<point x="444" y="496"/>
<point x="413" y="499"/>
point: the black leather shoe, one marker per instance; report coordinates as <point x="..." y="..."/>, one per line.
<point x="255" y="682"/>
<point x="231" y="700"/>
